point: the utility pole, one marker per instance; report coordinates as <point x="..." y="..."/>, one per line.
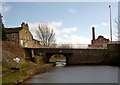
<point x="110" y="24"/>
<point x="119" y="21"/>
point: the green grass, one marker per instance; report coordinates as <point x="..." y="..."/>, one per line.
<point x="22" y="75"/>
<point x="6" y="68"/>
<point x="24" y="65"/>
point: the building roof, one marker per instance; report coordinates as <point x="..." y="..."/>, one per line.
<point x="102" y="38"/>
<point x="36" y="40"/>
<point x="13" y="30"/>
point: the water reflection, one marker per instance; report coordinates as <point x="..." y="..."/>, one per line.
<point x="78" y="74"/>
<point x="60" y="63"/>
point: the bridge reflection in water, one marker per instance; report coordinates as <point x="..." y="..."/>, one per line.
<point x="58" y="60"/>
<point x="60" y="63"/>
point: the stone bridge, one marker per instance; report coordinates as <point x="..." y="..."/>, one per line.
<point x="75" y="56"/>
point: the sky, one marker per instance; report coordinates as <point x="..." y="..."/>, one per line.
<point x="71" y="21"/>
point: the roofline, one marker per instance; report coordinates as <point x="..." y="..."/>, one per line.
<point x="36" y="40"/>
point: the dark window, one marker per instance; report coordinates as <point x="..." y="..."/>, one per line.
<point x="13" y="37"/>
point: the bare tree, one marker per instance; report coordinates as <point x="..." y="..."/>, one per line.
<point x="46" y="35"/>
<point x="118" y="27"/>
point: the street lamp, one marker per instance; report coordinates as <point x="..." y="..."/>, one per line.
<point x="110" y="24"/>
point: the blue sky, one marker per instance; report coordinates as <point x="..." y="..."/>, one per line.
<point x="71" y="21"/>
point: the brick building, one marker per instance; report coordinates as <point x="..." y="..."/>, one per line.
<point x="100" y="42"/>
<point x="22" y="36"/>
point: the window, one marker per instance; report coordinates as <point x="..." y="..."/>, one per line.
<point x="13" y="37"/>
<point x="21" y="35"/>
<point x="17" y="41"/>
<point x="25" y="44"/>
<point x="28" y="37"/>
<point x="25" y="32"/>
<point x="21" y="42"/>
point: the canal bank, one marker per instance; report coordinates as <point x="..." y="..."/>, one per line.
<point x="24" y="74"/>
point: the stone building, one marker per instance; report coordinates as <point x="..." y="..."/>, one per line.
<point x="22" y="36"/>
<point x="100" y="42"/>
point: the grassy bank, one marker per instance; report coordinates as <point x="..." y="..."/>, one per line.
<point x="13" y="72"/>
<point x="24" y="74"/>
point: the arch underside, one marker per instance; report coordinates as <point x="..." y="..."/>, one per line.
<point x="66" y="55"/>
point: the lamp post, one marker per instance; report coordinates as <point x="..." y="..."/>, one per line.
<point x="110" y="24"/>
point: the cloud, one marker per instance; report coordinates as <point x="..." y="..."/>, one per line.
<point x="104" y="24"/>
<point x="73" y="11"/>
<point x="4" y="7"/>
<point x="56" y="24"/>
<point x="69" y="30"/>
<point x="94" y="25"/>
<point x="65" y="36"/>
<point x="73" y="39"/>
<point x="52" y="25"/>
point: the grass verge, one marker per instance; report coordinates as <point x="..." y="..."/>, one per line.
<point x="24" y="74"/>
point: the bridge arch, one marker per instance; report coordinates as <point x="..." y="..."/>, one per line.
<point x="55" y="57"/>
<point x="66" y="55"/>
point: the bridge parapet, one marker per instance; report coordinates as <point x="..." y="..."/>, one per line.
<point x="73" y="46"/>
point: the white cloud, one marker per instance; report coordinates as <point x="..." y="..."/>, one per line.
<point x="94" y="25"/>
<point x="62" y="38"/>
<point x="104" y="24"/>
<point x="56" y="24"/>
<point x="53" y="25"/>
<point x="72" y="39"/>
<point x="4" y="7"/>
<point x="69" y="30"/>
<point x="73" y="11"/>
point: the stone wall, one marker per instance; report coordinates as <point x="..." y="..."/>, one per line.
<point x="25" y="36"/>
<point x="113" y="50"/>
<point x="90" y="56"/>
<point x="14" y="39"/>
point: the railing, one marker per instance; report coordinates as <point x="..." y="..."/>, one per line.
<point x="85" y="46"/>
<point x="73" y="46"/>
<point x="114" y="42"/>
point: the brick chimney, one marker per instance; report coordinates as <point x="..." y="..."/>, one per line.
<point x="93" y="33"/>
<point x="23" y="25"/>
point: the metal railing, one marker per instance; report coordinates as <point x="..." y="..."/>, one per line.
<point x="114" y="42"/>
<point x="73" y="46"/>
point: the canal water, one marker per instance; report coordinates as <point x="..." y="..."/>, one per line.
<point x="78" y="74"/>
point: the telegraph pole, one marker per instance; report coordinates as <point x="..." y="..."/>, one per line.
<point x="110" y="24"/>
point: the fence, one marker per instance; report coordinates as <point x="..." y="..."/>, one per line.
<point x="75" y="46"/>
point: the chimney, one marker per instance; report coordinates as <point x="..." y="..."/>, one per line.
<point x="23" y="25"/>
<point x="93" y="33"/>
